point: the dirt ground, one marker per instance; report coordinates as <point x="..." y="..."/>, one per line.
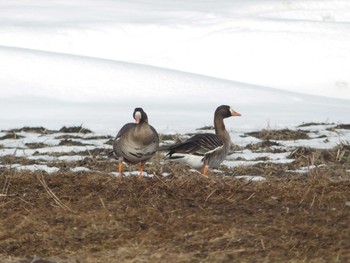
<point x="95" y="216"/>
<point x="70" y="217"/>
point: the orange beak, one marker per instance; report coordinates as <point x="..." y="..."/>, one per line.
<point x="236" y="114"/>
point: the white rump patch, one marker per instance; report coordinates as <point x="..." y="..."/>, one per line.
<point x="195" y="161"/>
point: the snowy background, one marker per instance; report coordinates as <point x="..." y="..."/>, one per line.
<point x="278" y="62"/>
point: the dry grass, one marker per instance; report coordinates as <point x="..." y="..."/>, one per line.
<point x="95" y="217"/>
<point x="40" y="130"/>
<point x="12" y="136"/>
<point x="309" y="156"/>
<point x="284" y="134"/>
<point x="68" y="217"/>
<point x="75" y="129"/>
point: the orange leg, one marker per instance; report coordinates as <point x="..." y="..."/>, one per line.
<point x="205" y="168"/>
<point x="142" y="165"/>
<point x="120" y="167"/>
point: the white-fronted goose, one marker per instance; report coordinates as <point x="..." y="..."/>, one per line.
<point x="206" y="149"/>
<point x="136" y="142"/>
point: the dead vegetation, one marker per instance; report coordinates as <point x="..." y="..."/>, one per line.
<point x="310" y="156"/>
<point x="70" y="217"/>
<point x="294" y="215"/>
<point x="69" y="142"/>
<point x="75" y="129"/>
<point x="284" y="134"/>
<point x="343" y="126"/>
<point x="40" y="130"/>
<point x="36" y="145"/>
<point x="205" y="128"/>
<point x="11" y="136"/>
<point x="43" y="130"/>
<point x="265" y="146"/>
<point x="307" y="124"/>
<point x="68" y="137"/>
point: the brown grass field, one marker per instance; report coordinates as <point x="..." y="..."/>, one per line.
<point x="185" y="217"/>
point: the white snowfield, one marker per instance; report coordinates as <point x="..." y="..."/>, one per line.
<point x="279" y="63"/>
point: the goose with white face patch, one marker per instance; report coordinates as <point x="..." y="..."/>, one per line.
<point x="136" y="142"/>
<point x="205" y="150"/>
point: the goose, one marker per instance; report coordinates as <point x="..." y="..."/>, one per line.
<point x="205" y="150"/>
<point x="136" y="142"/>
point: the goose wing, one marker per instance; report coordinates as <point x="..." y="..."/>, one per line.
<point x="116" y="145"/>
<point x="199" y="144"/>
<point x="124" y="129"/>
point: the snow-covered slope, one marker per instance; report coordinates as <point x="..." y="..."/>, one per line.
<point x="92" y="62"/>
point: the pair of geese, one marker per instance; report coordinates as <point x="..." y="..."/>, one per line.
<point x="138" y="142"/>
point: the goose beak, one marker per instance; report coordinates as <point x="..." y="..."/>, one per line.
<point x="234" y="113"/>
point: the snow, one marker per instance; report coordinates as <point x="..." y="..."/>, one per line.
<point x="253" y="178"/>
<point x="249" y="155"/>
<point x="33" y="168"/>
<point x="280" y="63"/>
<point x="133" y="173"/>
<point x="307" y="169"/>
<point x="277" y="62"/>
<point x="79" y="169"/>
<point x="51" y="154"/>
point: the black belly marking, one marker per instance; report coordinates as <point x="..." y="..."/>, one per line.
<point x="137" y="155"/>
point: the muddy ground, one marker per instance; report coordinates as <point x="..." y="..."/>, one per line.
<point x="94" y="216"/>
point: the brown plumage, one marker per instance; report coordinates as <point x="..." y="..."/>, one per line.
<point x="205" y="150"/>
<point x="136" y="142"/>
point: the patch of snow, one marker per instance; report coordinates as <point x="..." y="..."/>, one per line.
<point x="306" y="169"/>
<point x="80" y="169"/>
<point x="68" y="158"/>
<point x="253" y="178"/>
<point x="250" y="156"/>
<point x="61" y="149"/>
<point x="233" y="164"/>
<point x="133" y="173"/>
<point x="33" y="168"/>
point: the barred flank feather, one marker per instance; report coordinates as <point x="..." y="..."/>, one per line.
<point x="199" y="144"/>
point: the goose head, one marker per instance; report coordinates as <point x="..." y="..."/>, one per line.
<point x="140" y="116"/>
